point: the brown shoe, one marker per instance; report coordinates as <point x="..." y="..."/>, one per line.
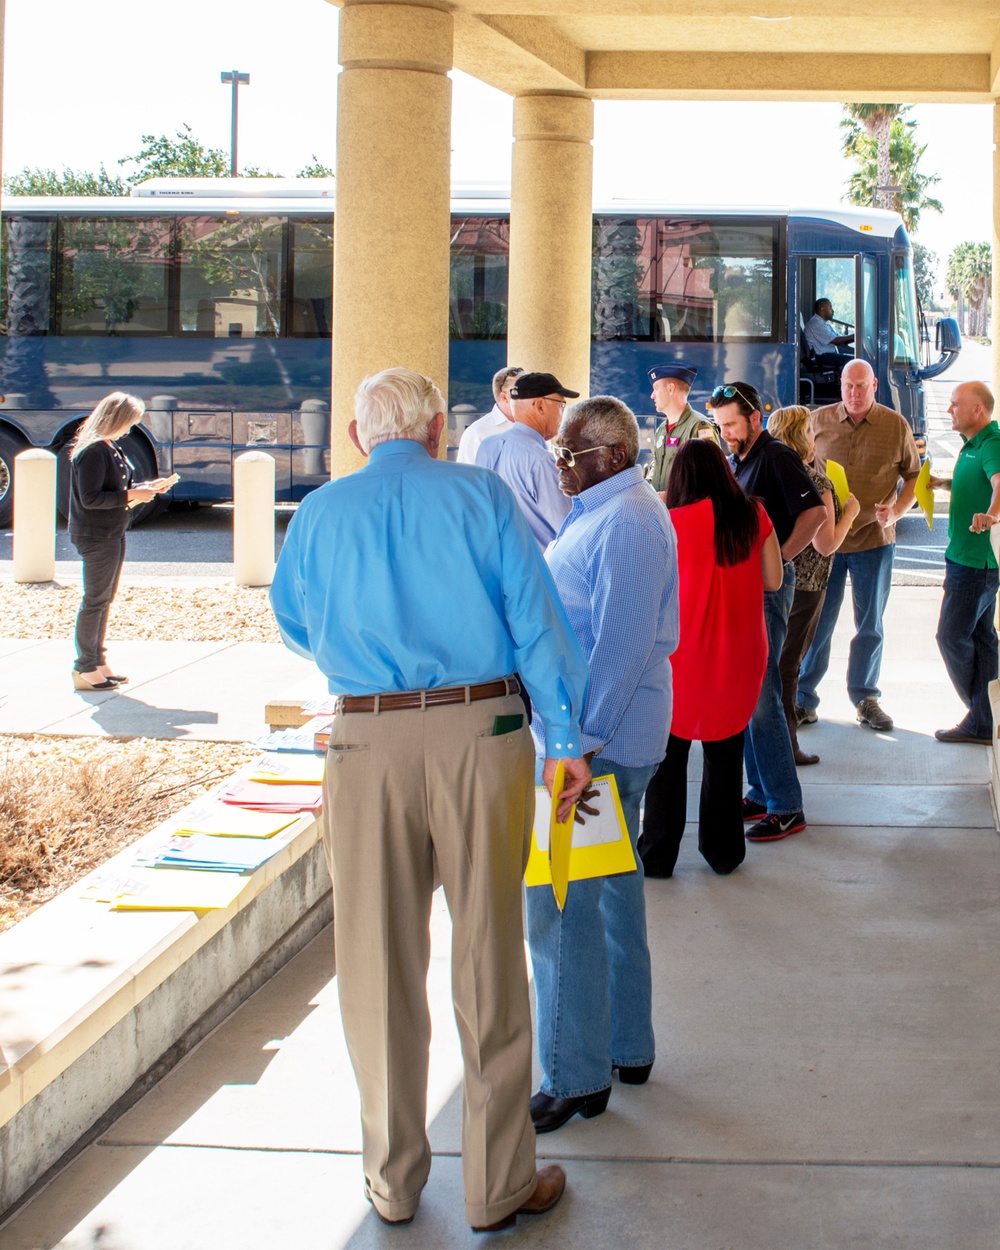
<point x="803" y="757"/>
<point x="547" y="1192"/>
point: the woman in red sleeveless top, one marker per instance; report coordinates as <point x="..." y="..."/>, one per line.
<point x="727" y="556"/>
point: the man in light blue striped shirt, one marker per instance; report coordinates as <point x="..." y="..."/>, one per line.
<point x="614" y="564"/>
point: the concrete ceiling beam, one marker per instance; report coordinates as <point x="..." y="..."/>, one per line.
<point x="926" y="78"/>
<point x="518" y="54"/>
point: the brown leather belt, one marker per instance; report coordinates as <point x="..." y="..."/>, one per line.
<point x="405" y="700"/>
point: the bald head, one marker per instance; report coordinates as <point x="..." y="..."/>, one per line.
<point x="857" y="388"/>
<point x="971" y="408"/>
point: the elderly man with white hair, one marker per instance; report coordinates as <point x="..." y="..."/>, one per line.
<point x="614" y="564"/>
<point x="419" y="591"/>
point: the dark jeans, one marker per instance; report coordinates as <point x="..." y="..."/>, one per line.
<point x="968" y="640"/>
<point x="767" y="747"/>
<point x="871" y="581"/>
<point x="720" y="811"/>
<point x="102" y="565"/>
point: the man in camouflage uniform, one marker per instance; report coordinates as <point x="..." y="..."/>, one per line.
<point x="671" y="386"/>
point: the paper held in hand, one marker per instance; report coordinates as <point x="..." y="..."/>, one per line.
<point x="923" y="494"/>
<point x="600" y="848"/>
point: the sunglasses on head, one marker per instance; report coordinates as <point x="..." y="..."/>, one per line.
<point x="731" y="392"/>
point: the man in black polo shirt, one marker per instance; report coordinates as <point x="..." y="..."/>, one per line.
<point x="774" y="474"/>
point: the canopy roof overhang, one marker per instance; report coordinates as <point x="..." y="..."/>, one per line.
<point x="937" y="51"/>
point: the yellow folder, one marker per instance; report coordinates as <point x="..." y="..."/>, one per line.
<point x="599" y="848"/>
<point x="923" y="493"/>
<point x="178" y="889"/>
<point x="838" y="479"/>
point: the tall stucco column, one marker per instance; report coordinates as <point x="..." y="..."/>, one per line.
<point x="392" y="219"/>
<point x="551" y="214"/>
<point x="995" y="327"/>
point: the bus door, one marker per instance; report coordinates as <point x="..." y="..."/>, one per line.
<point x="839" y="280"/>
<point x="866" y="318"/>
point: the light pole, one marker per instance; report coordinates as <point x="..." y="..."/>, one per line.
<point x="235" y="77"/>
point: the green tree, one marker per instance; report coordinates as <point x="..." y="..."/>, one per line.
<point x="924" y="266"/>
<point x="183" y="156"/>
<point x="905" y="155"/>
<point x="970" y="274"/>
<point x="876" y="120"/>
<point x="70" y="182"/>
<point x="316" y="169"/>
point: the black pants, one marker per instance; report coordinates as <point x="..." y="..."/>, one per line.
<point x="102" y="565"/>
<point x="720" y="812"/>
<point x="802" y="621"/>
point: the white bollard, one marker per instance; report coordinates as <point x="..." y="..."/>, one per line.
<point x="34" y="516"/>
<point x="253" y="519"/>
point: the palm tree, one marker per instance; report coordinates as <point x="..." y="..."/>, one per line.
<point x="970" y="273"/>
<point x="877" y="120"/>
<point x="904" y="160"/>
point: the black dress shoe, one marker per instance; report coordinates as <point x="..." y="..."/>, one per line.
<point x="548" y="1113"/>
<point x="960" y="734"/>
<point x="637" y="1075"/>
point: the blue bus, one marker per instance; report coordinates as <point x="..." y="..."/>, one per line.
<point x="212" y="300"/>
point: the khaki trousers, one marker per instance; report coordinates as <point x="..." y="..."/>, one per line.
<point x="406" y="792"/>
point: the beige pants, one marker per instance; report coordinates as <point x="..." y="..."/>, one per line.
<point x="403" y="790"/>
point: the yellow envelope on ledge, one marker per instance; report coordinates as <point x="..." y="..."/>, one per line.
<point x="599" y="848"/>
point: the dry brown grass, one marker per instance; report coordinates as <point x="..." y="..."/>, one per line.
<point x="217" y="613"/>
<point x="68" y="804"/>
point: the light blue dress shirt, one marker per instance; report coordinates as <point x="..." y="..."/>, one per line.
<point x="522" y="458"/>
<point x="414" y="573"/>
<point x="614" y="564"/>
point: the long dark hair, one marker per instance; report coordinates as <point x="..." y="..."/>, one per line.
<point x="700" y="471"/>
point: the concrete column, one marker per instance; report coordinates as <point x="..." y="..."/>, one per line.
<point x="392" y="220"/>
<point x="551" y="229"/>
<point x="995" y="242"/>
<point x="253" y="519"/>
<point x="34" y="516"/>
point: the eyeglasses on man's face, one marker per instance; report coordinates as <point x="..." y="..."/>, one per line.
<point x="558" y="400"/>
<point x="570" y="457"/>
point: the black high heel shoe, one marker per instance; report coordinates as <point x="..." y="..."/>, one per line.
<point x="81" y="683"/>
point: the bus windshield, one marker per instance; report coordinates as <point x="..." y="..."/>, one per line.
<point x="905" y="338"/>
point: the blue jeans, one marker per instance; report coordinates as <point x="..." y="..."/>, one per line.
<point x="767" y="746"/>
<point x="871" y="581"/>
<point x="968" y="640"/>
<point x="593" y="984"/>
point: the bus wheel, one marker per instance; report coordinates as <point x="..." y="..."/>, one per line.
<point x="139" y="452"/>
<point x="10" y="446"/>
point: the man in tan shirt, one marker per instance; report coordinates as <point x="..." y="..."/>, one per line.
<point x="876" y="448"/>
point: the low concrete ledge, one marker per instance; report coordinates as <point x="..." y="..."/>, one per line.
<point x="96" y="1004"/>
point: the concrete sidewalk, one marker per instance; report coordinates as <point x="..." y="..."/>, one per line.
<point x="208" y="690"/>
<point x="826" y="1025"/>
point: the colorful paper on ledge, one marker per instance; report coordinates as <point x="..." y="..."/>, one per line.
<point x="838" y="478"/>
<point x="289" y="769"/>
<point x="271" y="798"/>
<point x="600" y="848"/>
<point x="923" y="493"/>
<point x="179" y="889"/>
<point x="228" y="821"/>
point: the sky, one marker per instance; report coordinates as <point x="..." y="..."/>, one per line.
<point x="82" y="90"/>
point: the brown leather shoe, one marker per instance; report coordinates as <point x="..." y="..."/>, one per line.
<point x="547" y="1192"/>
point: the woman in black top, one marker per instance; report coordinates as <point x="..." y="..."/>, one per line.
<point x="100" y="492"/>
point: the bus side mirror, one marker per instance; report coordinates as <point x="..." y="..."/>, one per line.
<point x="949" y="337"/>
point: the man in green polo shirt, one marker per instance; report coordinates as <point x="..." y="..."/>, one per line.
<point x="671" y="386"/>
<point x="966" y="635"/>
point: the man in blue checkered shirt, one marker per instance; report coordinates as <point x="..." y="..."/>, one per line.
<point x="614" y="563"/>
